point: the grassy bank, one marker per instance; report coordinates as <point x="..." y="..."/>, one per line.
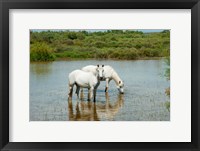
<point x="112" y="44"/>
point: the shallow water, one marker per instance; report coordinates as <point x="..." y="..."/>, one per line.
<point x="144" y="98"/>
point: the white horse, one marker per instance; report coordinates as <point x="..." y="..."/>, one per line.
<point x="108" y="74"/>
<point x="83" y="79"/>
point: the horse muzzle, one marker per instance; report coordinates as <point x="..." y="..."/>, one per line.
<point x="121" y="90"/>
<point x="100" y="78"/>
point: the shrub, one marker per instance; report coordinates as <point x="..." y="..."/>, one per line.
<point x="41" y="52"/>
<point x="72" y="35"/>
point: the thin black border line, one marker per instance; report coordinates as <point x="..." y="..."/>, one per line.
<point x="5" y="5"/>
<point x="102" y="4"/>
<point x="194" y="74"/>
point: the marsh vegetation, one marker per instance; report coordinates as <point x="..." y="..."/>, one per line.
<point x="108" y="44"/>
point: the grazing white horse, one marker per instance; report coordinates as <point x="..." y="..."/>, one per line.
<point x="83" y="79"/>
<point x="108" y="74"/>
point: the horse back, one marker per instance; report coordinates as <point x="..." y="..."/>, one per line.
<point x="90" y="68"/>
<point x="82" y="78"/>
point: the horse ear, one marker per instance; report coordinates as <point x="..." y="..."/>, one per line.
<point x="119" y="82"/>
<point x="97" y="65"/>
<point x="102" y="65"/>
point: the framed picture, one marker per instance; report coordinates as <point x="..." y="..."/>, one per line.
<point x="99" y="75"/>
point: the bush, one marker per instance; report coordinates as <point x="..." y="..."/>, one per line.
<point x="41" y="52"/>
<point x="72" y="35"/>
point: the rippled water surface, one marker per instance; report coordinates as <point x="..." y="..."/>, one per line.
<point x="144" y="98"/>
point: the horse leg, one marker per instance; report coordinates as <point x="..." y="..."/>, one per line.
<point x="94" y="92"/>
<point x="77" y="90"/>
<point x="96" y="86"/>
<point x="107" y="82"/>
<point x="70" y="90"/>
<point x="91" y="92"/>
<point x="88" y="94"/>
<point x="81" y="95"/>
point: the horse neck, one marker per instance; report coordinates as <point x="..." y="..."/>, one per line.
<point x="116" y="77"/>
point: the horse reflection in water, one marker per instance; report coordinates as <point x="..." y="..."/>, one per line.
<point x="95" y="111"/>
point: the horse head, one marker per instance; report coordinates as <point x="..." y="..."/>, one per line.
<point x="100" y="71"/>
<point x="120" y="87"/>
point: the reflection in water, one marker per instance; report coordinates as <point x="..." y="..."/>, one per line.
<point x="41" y="68"/>
<point x="95" y="111"/>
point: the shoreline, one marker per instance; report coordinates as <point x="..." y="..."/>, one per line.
<point x="115" y="59"/>
<point x="79" y="59"/>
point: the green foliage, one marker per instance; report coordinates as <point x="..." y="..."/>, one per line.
<point x="167" y="70"/>
<point x="167" y="105"/>
<point x="110" y="44"/>
<point x="41" y="52"/>
<point x="72" y="35"/>
<point x="167" y="74"/>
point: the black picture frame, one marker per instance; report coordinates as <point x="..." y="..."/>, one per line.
<point x="5" y="5"/>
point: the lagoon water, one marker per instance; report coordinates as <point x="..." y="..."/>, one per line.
<point x="144" y="98"/>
